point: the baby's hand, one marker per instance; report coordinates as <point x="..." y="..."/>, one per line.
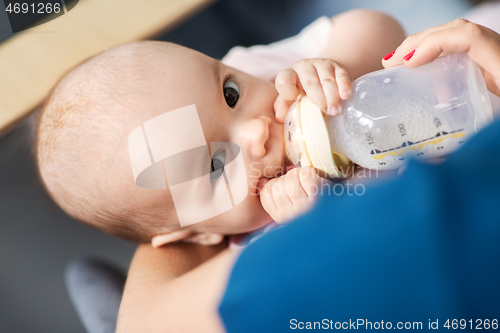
<point x="290" y="195"/>
<point x="324" y="81"/>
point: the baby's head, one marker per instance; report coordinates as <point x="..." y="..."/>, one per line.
<point x="82" y="140"/>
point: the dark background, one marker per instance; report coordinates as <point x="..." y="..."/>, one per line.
<point x="37" y="239"/>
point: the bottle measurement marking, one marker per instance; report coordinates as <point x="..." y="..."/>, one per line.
<point x="408" y="145"/>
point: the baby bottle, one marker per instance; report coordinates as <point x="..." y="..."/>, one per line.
<point x="393" y="115"/>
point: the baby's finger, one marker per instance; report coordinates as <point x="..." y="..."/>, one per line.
<point x="326" y="76"/>
<point x="310" y="181"/>
<point x="288" y="85"/>
<point x="310" y="82"/>
<point x="281" y="198"/>
<point x="281" y="108"/>
<point x="266" y="198"/>
<point x="294" y="189"/>
<point x="343" y="82"/>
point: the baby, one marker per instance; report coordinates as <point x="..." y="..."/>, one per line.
<point x="82" y="138"/>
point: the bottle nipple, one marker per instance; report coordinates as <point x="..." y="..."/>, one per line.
<point x="307" y="141"/>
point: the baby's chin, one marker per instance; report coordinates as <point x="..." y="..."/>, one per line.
<point x="247" y="216"/>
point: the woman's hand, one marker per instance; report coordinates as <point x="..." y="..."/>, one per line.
<point x="291" y="195"/>
<point x="325" y="81"/>
<point x="481" y="44"/>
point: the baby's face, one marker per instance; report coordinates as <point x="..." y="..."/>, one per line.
<point x="232" y="107"/>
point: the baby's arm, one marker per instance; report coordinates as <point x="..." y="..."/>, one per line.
<point x="360" y="38"/>
<point x="358" y="41"/>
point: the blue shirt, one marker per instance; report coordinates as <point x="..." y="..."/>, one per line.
<point x="420" y="248"/>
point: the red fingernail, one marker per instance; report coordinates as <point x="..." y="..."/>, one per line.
<point x="409" y="55"/>
<point x="389" y="56"/>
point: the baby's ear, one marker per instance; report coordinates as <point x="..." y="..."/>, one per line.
<point x="188" y="236"/>
<point x="170" y="237"/>
<point x="204" y="238"/>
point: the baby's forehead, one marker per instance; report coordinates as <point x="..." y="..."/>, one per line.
<point x="176" y="81"/>
<point x="172" y="69"/>
<point x="146" y="61"/>
<point x="142" y="79"/>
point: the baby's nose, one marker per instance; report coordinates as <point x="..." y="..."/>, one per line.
<point x="256" y="134"/>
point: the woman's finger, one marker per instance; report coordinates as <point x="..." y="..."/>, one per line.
<point x="493" y="84"/>
<point x="411" y="42"/>
<point x="481" y="44"/>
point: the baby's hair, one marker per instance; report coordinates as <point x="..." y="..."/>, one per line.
<point x="81" y="130"/>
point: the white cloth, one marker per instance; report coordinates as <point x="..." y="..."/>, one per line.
<point x="266" y="61"/>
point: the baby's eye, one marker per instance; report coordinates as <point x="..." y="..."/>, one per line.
<point x="231" y="93"/>
<point x="217" y="166"/>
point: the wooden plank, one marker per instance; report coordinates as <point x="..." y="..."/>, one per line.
<point x="32" y="61"/>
